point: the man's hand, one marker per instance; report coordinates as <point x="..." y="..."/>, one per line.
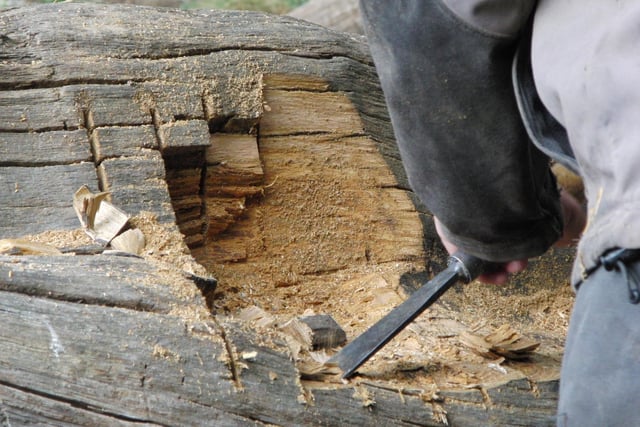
<point x="574" y="217"/>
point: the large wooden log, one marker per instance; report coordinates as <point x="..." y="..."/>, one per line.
<point x="266" y="141"/>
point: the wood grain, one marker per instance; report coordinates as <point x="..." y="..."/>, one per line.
<point x="124" y="99"/>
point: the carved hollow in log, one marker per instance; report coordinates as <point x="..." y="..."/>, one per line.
<point x="265" y="140"/>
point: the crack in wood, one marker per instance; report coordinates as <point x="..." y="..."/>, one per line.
<point x="414" y="423"/>
<point x="244" y="48"/>
<point x="49" y="82"/>
<point x="99" y="302"/>
<point x="53" y="84"/>
<point x="38" y="130"/>
<point x="78" y="405"/>
<point x="231" y="358"/>
<point x="36" y="165"/>
<point x="486" y="399"/>
<point x="534" y="387"/>
<point x="315" y="133"/>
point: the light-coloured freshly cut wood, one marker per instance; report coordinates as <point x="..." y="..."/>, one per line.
<point x="503" y="341"/>
<point x="101" y="220"/>
<point x="131" y="241"/>
<point x="257" y="316"/>
<point x="233" y="166"/>
<point x="300" y="112"/>
<point x="26" y="247"/>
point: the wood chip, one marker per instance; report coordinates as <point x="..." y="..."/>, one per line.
<point x="503" y="341"/>
<point x="100" y="219"/>
<point x="26" y="247"/>
<point x="299" y="331"/>
<point x="311" y="369"/>
<point x="131" y="241"/>
<point x="325" y="331"/>
<point x="257" y="316"/>
<point x="249" y="355"/>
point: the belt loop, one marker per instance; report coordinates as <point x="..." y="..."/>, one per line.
<point x="617" y="259"/>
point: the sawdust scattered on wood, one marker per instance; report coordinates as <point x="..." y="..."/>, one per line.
<point x="332" y="232"/>
<point x="164" y="248"/>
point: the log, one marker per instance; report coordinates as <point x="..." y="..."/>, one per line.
<point x="265" y="141"/>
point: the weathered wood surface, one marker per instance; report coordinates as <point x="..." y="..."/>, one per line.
<point x="98" y="340"/>
<point x="31" y="200"/>
<point x="96" y="348"/>
<point x="107" y="280"/>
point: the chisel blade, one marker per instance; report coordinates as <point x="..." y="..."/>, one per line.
<point x="462" y="267"/>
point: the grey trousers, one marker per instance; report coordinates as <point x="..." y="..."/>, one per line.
<point x="482" y="167"/>
<point x="600" y="376"/>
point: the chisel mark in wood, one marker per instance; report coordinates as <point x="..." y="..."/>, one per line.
<point x="157" y="122"/>
<point x="55" y="345"/>
<point x="534" y="387"/>
<point x="233" y="364"/>
<point x="486" y="399"/>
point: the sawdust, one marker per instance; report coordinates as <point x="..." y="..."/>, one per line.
<point x="332" y="232"/>
<point x="62" y="239"/>
<point x="299" y="257"/>
<point x="164" y="249"/>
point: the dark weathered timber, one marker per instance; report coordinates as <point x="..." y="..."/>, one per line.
<point x="90" y="340"/>
<point x="119" y="141"/>
<point x="38" y="109"/>
<point x="174" y="101"/>
<point x="325" y="331"/>
<point x="101" y="280"/>
<point x="44" y="148"/>
<point x="137" y="184"/>
<point x="211" y="48"/>
<point x="31" y="200"/>
<point x="184" y="135"/>
<point x="112" y="361"/>
<point x="103" y="105"/>
<point x="20" y="407"/>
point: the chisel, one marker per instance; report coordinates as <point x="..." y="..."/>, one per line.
<point x="461" y="267"/>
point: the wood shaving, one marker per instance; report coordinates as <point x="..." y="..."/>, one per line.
<point x="26" y="247"/>
<point x="503" y="341"/>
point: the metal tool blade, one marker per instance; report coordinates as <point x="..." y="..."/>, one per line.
<point x="461" y="266"/>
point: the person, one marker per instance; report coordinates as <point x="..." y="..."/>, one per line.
<point x="481" y="95"/>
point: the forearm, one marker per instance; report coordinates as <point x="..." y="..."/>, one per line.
<point x="448" y="89"/>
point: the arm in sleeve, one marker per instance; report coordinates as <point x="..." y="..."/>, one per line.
<point x="445" y="69"/>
